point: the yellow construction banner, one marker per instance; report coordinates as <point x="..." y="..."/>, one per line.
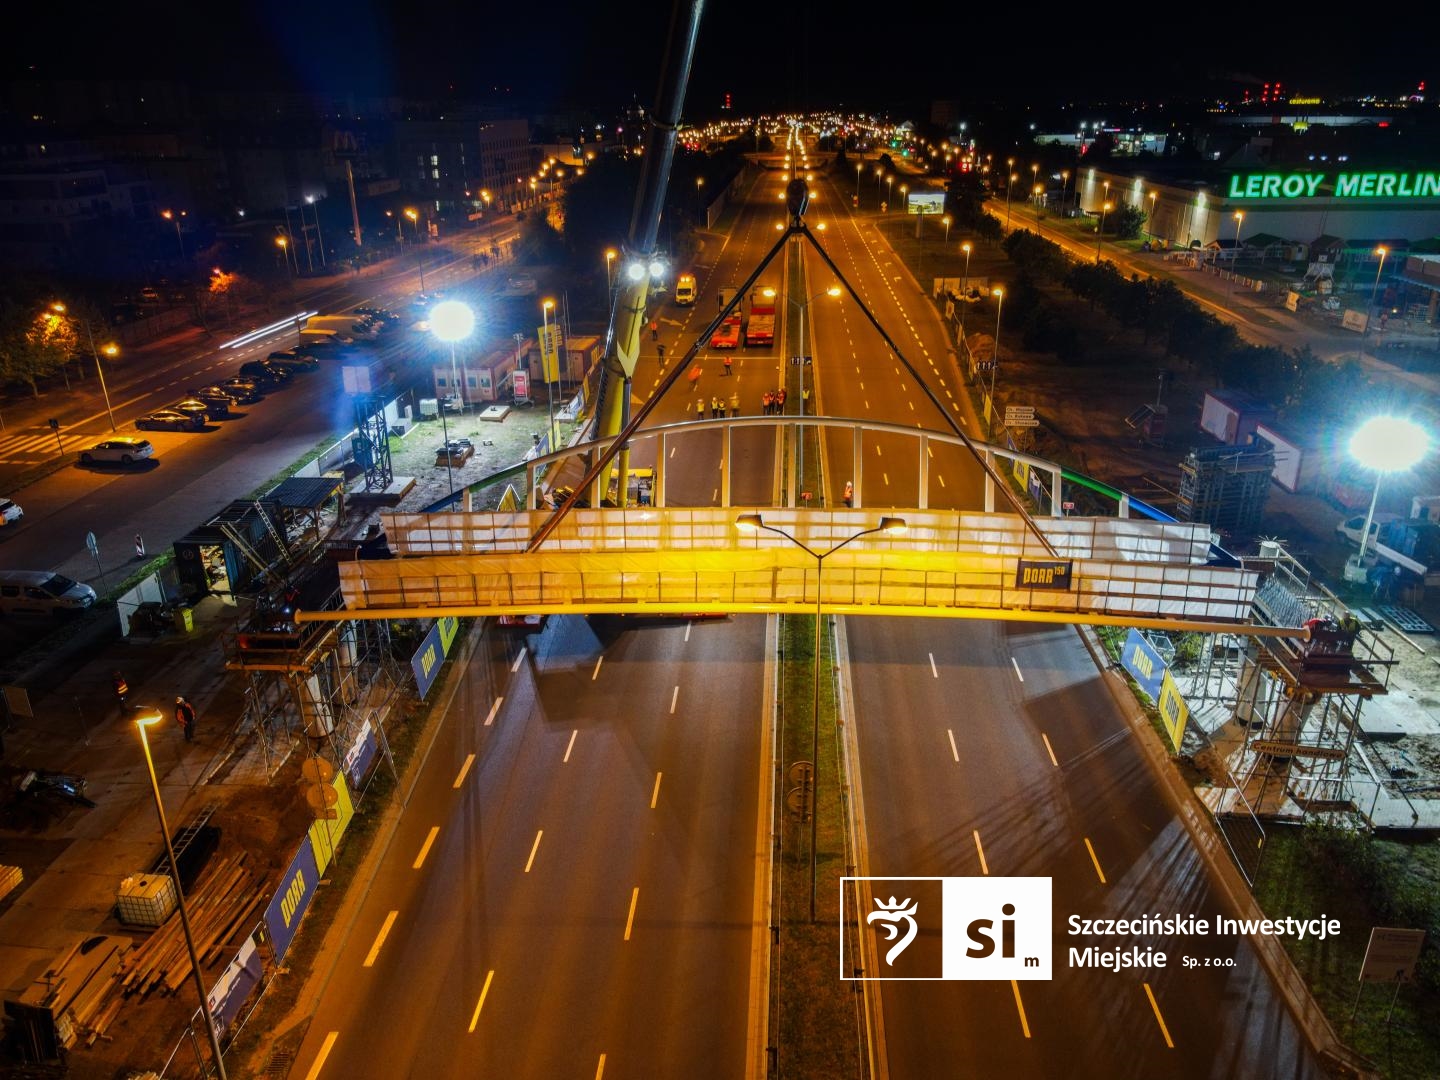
<point x="551" y="342"/>
<point x="1173" y="711"/>
<point x="325" y="834"/>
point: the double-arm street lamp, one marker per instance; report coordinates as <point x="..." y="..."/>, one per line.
<point x="144" y="719"/>
<point x="753" y="523"/>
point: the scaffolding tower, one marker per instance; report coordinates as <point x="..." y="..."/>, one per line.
<point x="1225" y="487"/>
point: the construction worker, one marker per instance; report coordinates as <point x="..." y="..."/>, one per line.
<point x="700" y="409"/>
<point x="849" y="493"/>
<point x="727" y="365"/>
<point x="768" y="400"/>
<point x="185" y="717"/>
<point x="735" y="403"/>
<point x="660" y="350"/>
<point x="121" y="686"/>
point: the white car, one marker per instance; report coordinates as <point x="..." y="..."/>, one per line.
<point x="10" y="512"/>
<point x="1351" y="528"/>
<point x="124" y="449"/>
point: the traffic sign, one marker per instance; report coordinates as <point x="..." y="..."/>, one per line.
<point x="1391" y="955"/>
<point x="1026" y="421"/>
<point x="796" y="361"/>
<point x="92" y="544"/>
<point x="1019" y="412"/>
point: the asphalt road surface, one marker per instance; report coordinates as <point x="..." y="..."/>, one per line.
<point x="995" y="749"/>
<point x="571" y="889"/>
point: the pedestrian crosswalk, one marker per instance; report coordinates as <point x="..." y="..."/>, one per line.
<point x="36" y="443"/>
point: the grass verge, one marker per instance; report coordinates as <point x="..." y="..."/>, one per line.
<point x="1323" y="870"/>
<point x="810" y="1005"/>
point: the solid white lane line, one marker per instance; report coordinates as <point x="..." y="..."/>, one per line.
<point x="1050" y="750"/>
<point x="1098" y="872"/>
<point x="933" y="669"/>
<point x="570" y="746"/>
<point x="1017" y="669"/>
<point x="596" y="673"/>
<point x="630" y="919"/>
<point x="655" y="795"/>
<point x="490" y="717"/>
<point x="674" y="697"/>
<point x="1159" y="1019"/>
<point x="533" y="848"/>
<point x="425" y="847"/>
<point x="325" y="1048"/>
<point x="984" y="867"/>
<point x="464" y="771"/>
<point x="380" y="939"/>
<point x="519" y="660"/>
<point x="481" y="1003"/>
<point x="954" y="752"/>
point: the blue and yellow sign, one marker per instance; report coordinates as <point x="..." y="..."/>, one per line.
<point x="432" y="652"/>
<point x="1173" y="711"/>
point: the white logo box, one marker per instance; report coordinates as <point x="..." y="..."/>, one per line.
<point x="981" y="941"/>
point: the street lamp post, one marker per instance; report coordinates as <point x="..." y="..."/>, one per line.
<point x="171" y="216"/>
<point x="889" y="190"/>
<point x="946" y="222"/>
<point x="754" y="523"/>
<point x="1235" y="256"/>
<point x="1151" y="223"/>
<point x="1100" y="230"/>
<point x="284" y="246"/>
<point x="610" y="255"/>
<point x="546" y="307"/>
<point x="859" y="166"/>
<point x="142" y="721"/>
<point x="1064" y="188"/>
<point x="1009" y="184"/>
<point x="1386" y="444"/>
<point x="451" y="322"/>
<point x="1036" y="193"/>
<point x="995" y="358"/>
<point x="1382" y="251"/>
<point x="111" y="350"/>
<point x="319" y="239"/>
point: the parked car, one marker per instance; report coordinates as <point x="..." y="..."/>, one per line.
<point x="195" y="407"/>
<point x="43" y="592"/>
<point x="245" y="391"/>
<point x="125" y="449"/>
<point x="265" y="372"/>
<point x="171" y="420"/>
<point x="215" y="395"/>
<point x="10" y="512"/>
<point x="294" y="360"/>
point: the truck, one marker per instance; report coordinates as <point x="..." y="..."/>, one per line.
<point x="727" y="334"/>
<point x="760" y="330"/>
<point x="1410" y="543"/>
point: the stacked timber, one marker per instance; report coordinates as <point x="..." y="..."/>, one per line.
<point x="224" y="906"/>
<point x="71" y="1000"/>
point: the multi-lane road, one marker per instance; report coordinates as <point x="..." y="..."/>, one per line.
<point x="574" y="888"/>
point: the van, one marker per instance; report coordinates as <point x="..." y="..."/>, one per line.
<point x="42" y="592"/>
<point x="685" y="290"/>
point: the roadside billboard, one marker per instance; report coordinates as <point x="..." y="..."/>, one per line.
<point x="925" y="202"/>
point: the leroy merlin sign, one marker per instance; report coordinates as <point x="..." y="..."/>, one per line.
<point x="1367" y="185"/>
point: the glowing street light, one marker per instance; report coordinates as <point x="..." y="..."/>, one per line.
<point x="451" y="321"/>
<point x="1386" y="444"/>
<point x="1100" y="230"/>
<point x="170" y="215"/>
<point x="946" y="222"/>
<point x="1235" y="257"/>
<point x="143" y="720"/>
<point x="1382" y="251"/>
<point x="1009" y="184"/>
<point x="754" y="523"/>
<point x="610" y="256"/>
<point x="1151" y="222"/>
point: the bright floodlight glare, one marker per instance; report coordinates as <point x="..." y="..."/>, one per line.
<point x="635" y="271"/>
<point x="1389" y="444"/>
<point x="657" y="269"/>
<point x="450" y="320"/>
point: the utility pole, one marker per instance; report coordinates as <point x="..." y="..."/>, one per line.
<point x="354" y="213"/>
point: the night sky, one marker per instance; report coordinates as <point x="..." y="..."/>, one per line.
<point x="769" y="56"/>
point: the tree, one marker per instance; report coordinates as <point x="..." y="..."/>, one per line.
<point x="1126" y="221"/>
<point x="34" y="346"/>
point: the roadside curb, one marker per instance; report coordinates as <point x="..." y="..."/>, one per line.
<point x="1319" y="1032"/>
